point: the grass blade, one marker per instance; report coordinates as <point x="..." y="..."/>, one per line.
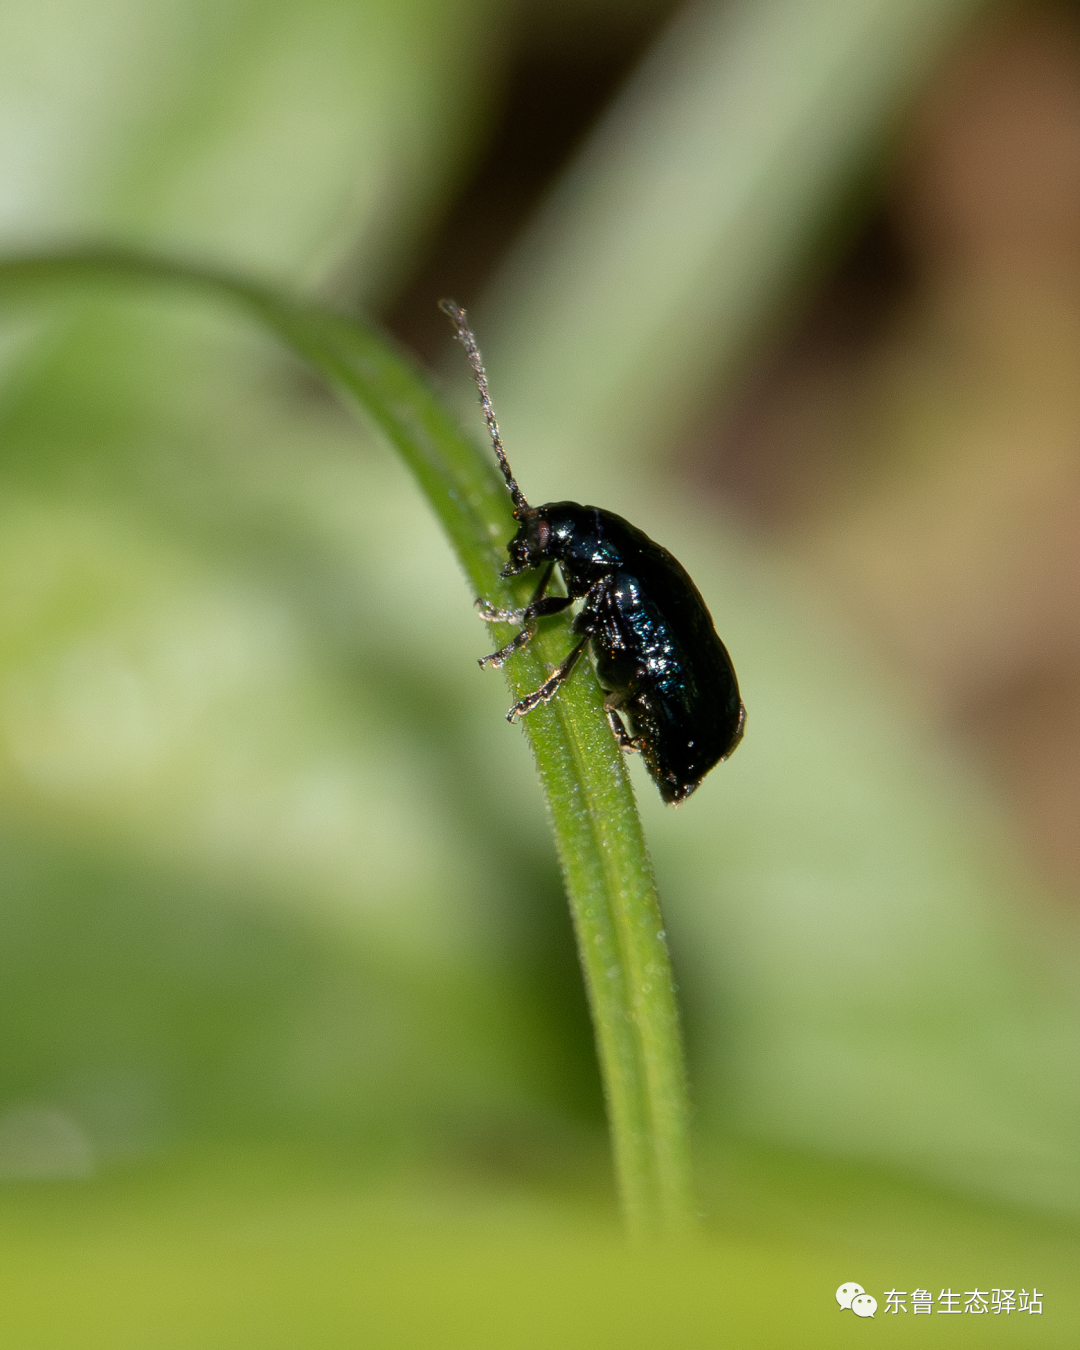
<point x="597" y="831"/>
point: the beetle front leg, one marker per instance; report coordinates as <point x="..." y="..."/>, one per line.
<point x="550" y="687"/>
<point x="490" y="614"/>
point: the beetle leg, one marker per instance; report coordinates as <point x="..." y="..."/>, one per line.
<point x="551" y="604"/>
<point x="626" y="741"/>
<point x="490" y="614"/>
<point x="550" y="687"/>
<point x="496" y="659"/>
<point x="539" y="606"/>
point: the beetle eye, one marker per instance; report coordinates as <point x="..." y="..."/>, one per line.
<point x="541" y="535"/>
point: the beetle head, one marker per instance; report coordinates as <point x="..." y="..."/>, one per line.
<point x="553" y="532"/>
<point x="531" y="546"/>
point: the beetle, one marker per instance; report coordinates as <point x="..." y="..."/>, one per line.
<point x="658" y="658"/>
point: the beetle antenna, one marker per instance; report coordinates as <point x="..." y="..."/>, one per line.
<point x="465" y="337"/>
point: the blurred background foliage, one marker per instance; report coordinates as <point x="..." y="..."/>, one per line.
<point x="293" y="1045"/>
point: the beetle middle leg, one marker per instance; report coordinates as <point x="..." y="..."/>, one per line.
<point x="539" y="606"/>
<point x="550" y="687"/>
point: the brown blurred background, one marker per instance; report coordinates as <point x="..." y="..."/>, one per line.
<point x="912" y="434"/>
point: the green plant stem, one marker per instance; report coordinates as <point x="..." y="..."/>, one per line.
<point x="598" y="834"/>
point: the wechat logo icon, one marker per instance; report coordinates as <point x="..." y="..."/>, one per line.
<point x="856" y="1298"/>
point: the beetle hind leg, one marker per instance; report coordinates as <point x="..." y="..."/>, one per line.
<point x="618" y="727"/>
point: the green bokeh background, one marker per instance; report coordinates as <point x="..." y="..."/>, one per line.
<point x="293" y="1049"/>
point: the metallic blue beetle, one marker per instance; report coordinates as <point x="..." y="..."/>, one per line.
<point x="658" y="657"/>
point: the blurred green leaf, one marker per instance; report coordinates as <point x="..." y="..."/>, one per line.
<point x="293" y="922"/>
<point x="269" y="1250"/>
<point x="609" y="881"/>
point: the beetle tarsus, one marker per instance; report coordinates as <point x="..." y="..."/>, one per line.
<point x="490" y="614"/>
